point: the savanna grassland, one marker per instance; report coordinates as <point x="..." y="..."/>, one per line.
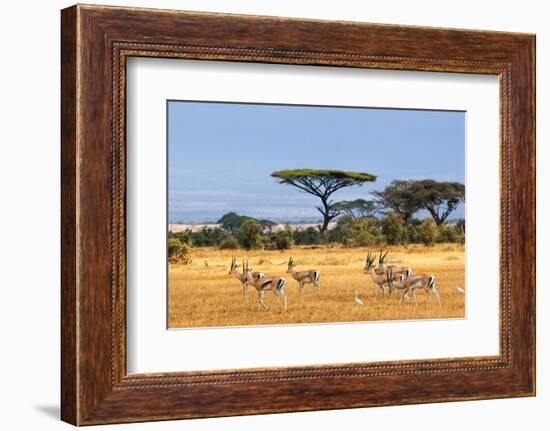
<point x="203" y="294"/>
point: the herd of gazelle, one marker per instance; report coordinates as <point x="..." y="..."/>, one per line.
<point x="398" y="278"/>
<point x="393" y="277"/>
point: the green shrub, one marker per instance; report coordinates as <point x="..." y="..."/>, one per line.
<point x="250" y="234"/>
<point x="185" y="237"/>
<point x="283" y="239"/>
<point x="177" y="248"/>
<point x="343" y="231"/>
<point x="365" y="233"/>
<point x="206" y="237"/>
<point x="393" y="228"/>
<point x="308" y="236"/>
<point x="448" y="233"/>
<point x="413" y="237"/>
<point x="229" y="243"/>
<point x="427" y="231"/>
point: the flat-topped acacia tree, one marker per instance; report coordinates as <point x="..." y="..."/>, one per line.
<point x="323" y="183"/>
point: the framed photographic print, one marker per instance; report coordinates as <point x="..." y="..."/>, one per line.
<point x="266" y="215"/>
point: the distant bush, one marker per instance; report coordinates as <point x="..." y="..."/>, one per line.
<point x="229" y="243"/>
<point x="283" y="239"/>
<point x="250" y="234"/>
<point x="448" y="233"/>
<point x="308" y="236"/>
<point x="208" y="237"/>
<point x="415" y="222"/>
<point x="232" y="222"/>
<point x="185" y="237"/>
<point x="349" y="231"/>
<point x="413" y="236"/>
<point x="177" y="249"/>
<point x="427" y="231"/>
<point x="342" y="233"/>
<point x="365" y="233"/>
<point x="393" y="228"/>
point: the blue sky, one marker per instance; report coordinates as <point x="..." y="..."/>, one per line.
<point x="221" y="155"/>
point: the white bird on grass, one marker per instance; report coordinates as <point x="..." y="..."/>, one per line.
<point x="357" y="299"/>
<point x="459" y="289"/>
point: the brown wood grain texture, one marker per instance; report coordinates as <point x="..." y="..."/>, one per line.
<point x="95" y="43"/>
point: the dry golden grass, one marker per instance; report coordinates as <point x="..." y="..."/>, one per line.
<point x="204" y="296"/>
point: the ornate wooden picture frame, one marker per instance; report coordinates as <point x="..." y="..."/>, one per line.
<point x="96" y="41"/>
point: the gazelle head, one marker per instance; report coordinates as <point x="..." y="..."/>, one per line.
<point x="369" y="264"/>
<point x="233" y="266"/>
<point x="291" y="265"/>
<point x="382" y="258"/>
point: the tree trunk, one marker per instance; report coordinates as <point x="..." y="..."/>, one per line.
<point x="325" y="211"/>
<point x="435" y="215"/>
<point x="324" y="227"/>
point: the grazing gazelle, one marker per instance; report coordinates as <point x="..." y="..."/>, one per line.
<point x="412" y="284"/>
<point x="379" y="279"/>
<point x="304" y="277"/>
<point x="263" y="285"/>
<point x="397" y="270"/>
<point x="242" y="276"/>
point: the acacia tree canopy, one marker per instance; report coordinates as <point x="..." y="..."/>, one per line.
<point x="358" y="208"/>
<point x="398" y="197"/>
<point x="439" y="198"/>
<point x="322" y="183"/>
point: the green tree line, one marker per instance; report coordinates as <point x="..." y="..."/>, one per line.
<point x="349" y="231"/>
<point x="388" y="219"/>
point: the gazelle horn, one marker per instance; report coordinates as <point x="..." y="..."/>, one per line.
<point x="390" y="277"/>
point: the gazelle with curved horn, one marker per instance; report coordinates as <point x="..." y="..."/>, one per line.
<point x="241" y="276"/>
<point x="397" y="283"/>
<point x="397" y="270"/>
<point x="263" y="285"/>
<point x="412" y="284"/>
<point x="304" y="277"/>
<point x="379" y="279"/>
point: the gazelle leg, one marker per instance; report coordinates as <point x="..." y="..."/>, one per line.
<point x="436" y="293"/>
<point x="301" y="288"/>
<point x="414" y="297"/>
<point x="260" y="299"/>
<point x="385" y="294"/>
<point x="245" y="292"/>
<point x="428" y="294"/>
<point x="283" y="294"/>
